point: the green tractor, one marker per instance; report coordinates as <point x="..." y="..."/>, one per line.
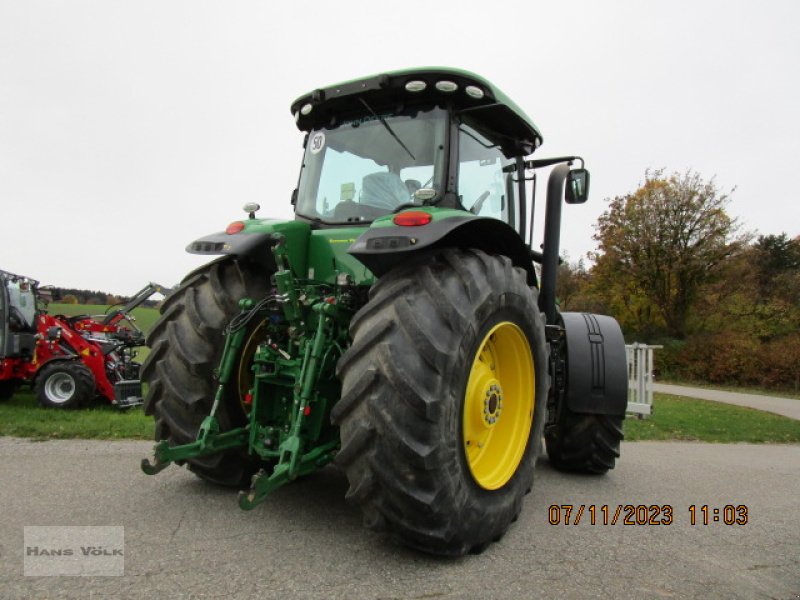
<point x="399" y="326"/>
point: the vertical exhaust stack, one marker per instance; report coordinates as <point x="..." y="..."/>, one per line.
<point x="552" y="241"/>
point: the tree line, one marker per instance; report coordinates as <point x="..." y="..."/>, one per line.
<point x="674" y="268"/>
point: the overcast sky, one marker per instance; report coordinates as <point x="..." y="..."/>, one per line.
<point x="128" y="129"/>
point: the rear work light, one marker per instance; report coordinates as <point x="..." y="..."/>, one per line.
<point x="446" y="86"/>
<point x="234" y="227"/>
<point x="412" y="218"/>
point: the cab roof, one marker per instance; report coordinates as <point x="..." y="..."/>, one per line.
<point x="394" y="91"/>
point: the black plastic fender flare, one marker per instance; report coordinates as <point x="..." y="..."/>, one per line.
<point x="596" y="364"/>
<point x="244" y="245"/>
<point x="381" y="249"/>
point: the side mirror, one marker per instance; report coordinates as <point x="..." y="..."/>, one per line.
<point x="577" y="186"/>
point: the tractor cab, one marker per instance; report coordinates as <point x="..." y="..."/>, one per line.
<point x="415" y="138"/>
<point x="17" y="314"/>
<point x="441" y="150"/>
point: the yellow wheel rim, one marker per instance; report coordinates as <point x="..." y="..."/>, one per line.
<point x="498" y="405"/>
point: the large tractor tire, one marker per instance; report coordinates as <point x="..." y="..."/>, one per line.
<point x="443" y="399"/>
<point x="186" y="346"/>
<point x="65" y="384"/>
<point x="584" y="443"/>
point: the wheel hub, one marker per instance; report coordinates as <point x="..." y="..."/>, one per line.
<point x="60" y="388"/>
<point x="492" y="404"/>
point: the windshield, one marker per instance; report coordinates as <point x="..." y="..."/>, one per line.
<point x="369" y="167"/>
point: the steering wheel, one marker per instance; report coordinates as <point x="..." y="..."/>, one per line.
<point x="476" y="207"/>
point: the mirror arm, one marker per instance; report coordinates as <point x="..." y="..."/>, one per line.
<point x="548" y="162"/>
<point x="544" y="162"/>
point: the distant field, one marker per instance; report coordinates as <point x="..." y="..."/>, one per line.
<point x="145" y="317"/>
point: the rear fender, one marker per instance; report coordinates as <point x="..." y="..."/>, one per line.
<point x="597" y="368"/>
<point x="255" y="241"/>
<point x="52" y="359"/>
<point x="252" y="246"/>
<point x="384" y="247"/>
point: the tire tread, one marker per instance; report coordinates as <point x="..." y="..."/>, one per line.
<point x="186" y="343"/>
<point x="407" y="341"/>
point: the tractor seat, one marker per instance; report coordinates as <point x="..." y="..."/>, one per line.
<point x="412" y="185"/>
<point x="384" y="190"/>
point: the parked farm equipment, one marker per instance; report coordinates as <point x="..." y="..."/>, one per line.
<point x="397" y="325"/>
<point x="68" y="360"/>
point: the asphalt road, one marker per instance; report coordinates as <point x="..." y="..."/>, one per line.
<point x="187" y="539"/>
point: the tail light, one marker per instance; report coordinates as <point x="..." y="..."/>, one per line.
<point x="412" y="218"/>
<point x="234" y="227"/>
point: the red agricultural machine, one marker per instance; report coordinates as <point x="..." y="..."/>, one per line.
<point x="68" y="360"/>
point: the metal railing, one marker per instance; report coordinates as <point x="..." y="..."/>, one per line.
<point x="640" y="378"/>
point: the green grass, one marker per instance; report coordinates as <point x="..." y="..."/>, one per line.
<point x="677" y="418"/>
<point x="21" y="416"/>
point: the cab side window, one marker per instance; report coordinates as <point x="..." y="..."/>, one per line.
<point x="483" y="188"/>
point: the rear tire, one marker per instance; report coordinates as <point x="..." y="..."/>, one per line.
<point x="408" y="379"/>
<point x="65" y="384"/>
<point x="186" y="346"/>
<point x="584" y="443"/>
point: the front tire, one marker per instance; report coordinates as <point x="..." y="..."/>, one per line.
<point x="443" y="396"/>
<point x="186" y="346"/>
<point x="65" y="384"/>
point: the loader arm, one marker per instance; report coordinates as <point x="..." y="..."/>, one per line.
<point x="138" y="299"/>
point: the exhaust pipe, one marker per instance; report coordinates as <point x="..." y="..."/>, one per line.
<point x="552" y="241"/>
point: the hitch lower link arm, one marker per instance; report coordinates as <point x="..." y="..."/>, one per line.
<point x="209" y="439"/>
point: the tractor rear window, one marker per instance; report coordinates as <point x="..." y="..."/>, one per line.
<point x="483" y="188"/>
<point x="368" y="167"/>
